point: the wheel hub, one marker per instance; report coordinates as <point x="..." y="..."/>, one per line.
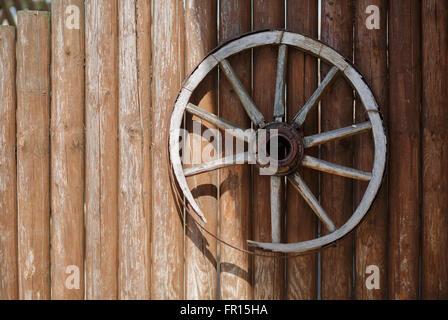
<point x="280" y="148"/>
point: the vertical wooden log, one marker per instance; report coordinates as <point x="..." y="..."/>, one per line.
<point x="67" y="151"/>
<point x="301" y="222"/>
<point x="33" y="154"/>
<point x="371" y="236"/>
<point x="8" y="206"/>
<point x="101" y="149"/>
<point x="268" y="273"/>
<point x="404" y="142"/>
<point x="337" y="112"/>
<point x="435" y="150"/>
<point x="167" y="253"/>
<point x="235" y="183"/>
<point x="200" y="258"/>
<point x="134" y="144"/>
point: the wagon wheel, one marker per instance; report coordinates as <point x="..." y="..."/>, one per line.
<point x="290" y="133"/>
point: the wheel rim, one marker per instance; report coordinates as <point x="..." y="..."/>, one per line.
<point x="340" y="67"/>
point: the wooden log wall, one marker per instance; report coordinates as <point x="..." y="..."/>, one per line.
<point x="86" y="206"/>
<point x="101" y="160"/>
<point x="434" y="117"/>
<point x="201" y="249"/>
<point x="337" y="192"/>
<point x="168" y="71"/>
<point x="302" y="79"/>
<point x="8" y="172"/>
<point x="370" y="57"/>
<point x="134" y="107"/>
<point x="235" y="200"/>
<point x="268" y="273"/>
<point x="67" y="153"/>
<point x="33" y="154"/>
<point x="404" y="146"/>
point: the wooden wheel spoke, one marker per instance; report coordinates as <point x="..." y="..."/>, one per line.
<point x="240" y="158"/>
<point x="328" y="167"/>
<point x="230" y="128"/>
<point x="279" y="104"/>
<point x="306" y="193"/>
<point x="247" y="102"/>
<point x="276" y="208"/>
<point x="337" y="134"/>
<point x="300" y="117"/>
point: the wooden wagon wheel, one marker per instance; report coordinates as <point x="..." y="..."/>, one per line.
<point x="289" y="132"/>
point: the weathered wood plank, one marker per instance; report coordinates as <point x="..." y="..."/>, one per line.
<point x="337" y="112"/>
<point x="404" y="141"/>
<point x="235" y="182"/>
<point x="435" y="136"/>
<point x="134" y="143"/>
<point x="101" y="149"/>
<point x="201" y="249"/>
<point x="301" y="223"/>
<point x="67" y="153"/>
<point x="167" y="250"/>
<point x="8" y="178"/>
<point x="33" y="154"/>
<point x="268" y="273"/>
<point x="371" y="236"/>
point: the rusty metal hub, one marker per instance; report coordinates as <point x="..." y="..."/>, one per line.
<point x="288" y="142"/>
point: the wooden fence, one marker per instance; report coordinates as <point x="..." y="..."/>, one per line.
<point x="86" y="207"/>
